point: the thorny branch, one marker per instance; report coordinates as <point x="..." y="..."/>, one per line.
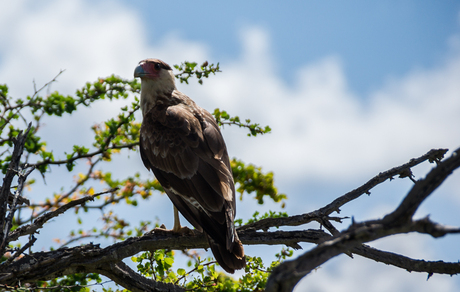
<point x="107" y="261"/>
<point x="287" y="274"/>
<point x="65" y="196"/>
<point x="322" y="215"/>
<point x="18" y="107"/>
<point x="92" y="258"/>
<point x="106" y="146"/>
<point x="41" y="220"/>
<point x="13" y="170"/>
<point x="9" y="219"/>
<point x="23" y="268"/>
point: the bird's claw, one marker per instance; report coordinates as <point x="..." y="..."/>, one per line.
<point x="182" y="230"/>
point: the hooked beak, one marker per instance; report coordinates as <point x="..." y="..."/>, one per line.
<point x="139" y="71"/>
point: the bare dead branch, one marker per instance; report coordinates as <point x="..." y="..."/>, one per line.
<point x="436" y="230"/>
<point x="321" y="215"/>
<point x="423" y="188"/>
<point x="13" y="170"/>
<point x="20" y="251"/>
<point x="9" y="219"/>
<point x="108" y="261"/>
<point x="287" y="274"/>
<point x="40" y="221"/>
<point x="406" y="263"/>
<point x="87" y="155"/>
<point x="19" y="200"/>
<point x="126" y="277"/>
<point x="92" y="258"/>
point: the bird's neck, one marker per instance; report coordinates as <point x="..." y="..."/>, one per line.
<point x="156" y="91"/>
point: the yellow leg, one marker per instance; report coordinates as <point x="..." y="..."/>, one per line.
<point x="177" y="226"/>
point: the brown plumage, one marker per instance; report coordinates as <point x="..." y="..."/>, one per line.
<point x="183" y="146"/>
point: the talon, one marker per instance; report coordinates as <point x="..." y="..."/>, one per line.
<point x="161" y="229"/>
<point x="185" y="230"/>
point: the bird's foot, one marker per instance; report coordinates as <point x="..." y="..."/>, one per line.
<point x="182" y="230"/>
<point x="161" y="229"/>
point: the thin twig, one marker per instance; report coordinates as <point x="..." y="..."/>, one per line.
<point x="9" y="219"/>
<point x="40" y="221"/>
<point x="13" y="168"/>
<point x="20" y="251"/>
<point x="286" y="275"/>
<point x="321" y="214"/>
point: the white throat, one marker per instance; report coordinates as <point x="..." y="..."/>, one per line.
<point x="151" y="89"/>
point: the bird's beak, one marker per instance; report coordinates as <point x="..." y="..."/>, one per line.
<point x="139" y="71"/>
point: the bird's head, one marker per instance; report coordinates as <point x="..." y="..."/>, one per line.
<point x="157" y="80"/>
<point x="156" y="73"/>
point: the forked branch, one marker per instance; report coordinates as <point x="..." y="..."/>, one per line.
<point x="287" y="274"/>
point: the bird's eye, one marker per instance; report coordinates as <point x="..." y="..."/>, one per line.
<point x="157" y="66"/>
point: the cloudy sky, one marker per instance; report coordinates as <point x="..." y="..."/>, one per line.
<point x="349" y="88"/>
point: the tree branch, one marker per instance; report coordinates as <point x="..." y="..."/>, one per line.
<point x="13" y="170"/>
<point x="129" y="279"/>
<point x="108" y="261"/>
<point x="40" y="221"/>
<point x="406" y="263"/>
<point x="91" y="258"/>
<point x="321" y="215"/>
<point x="287" y="274"/>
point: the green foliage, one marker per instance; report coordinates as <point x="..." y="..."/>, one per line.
<point x="254" y="278"/>
<point x="57" y="104"/>
<point x="75" y="282"/>
<point x="187" y="70"/>
<point x="116" y="135"/>
<point x="251" y="179"/>
<point x="223" y="118"/>
<point x="157" y="265"/>
<point x="256" y="217"/>
<point x="202" y="275"/>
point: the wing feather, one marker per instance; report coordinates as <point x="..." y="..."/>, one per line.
<point x="182" y="144"/>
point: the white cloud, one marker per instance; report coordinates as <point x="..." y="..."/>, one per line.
<point x="321" y="129"/>
<point x="361" y="275"/>
<point x="319" y="126"/>
<point x="88" y="40"/>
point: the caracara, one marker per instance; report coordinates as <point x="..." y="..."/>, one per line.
<point x="182" y="145"/>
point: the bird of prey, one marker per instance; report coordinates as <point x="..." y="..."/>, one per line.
<point x="182" y="145"/>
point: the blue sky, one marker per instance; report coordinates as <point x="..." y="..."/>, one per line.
<point x="374" y="39"/>
<point x="349" y="88"/>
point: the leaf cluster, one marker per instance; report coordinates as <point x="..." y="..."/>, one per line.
<point x="223" y="118"/>
<point x="75" y="282"/>
<point x="98" y="190"/>
<point x="201" y="273"/>
<point x="251" y="179"/>
<point x="189" y="69"/>
<point x="35" y="107"/>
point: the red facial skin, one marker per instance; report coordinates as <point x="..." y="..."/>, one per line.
<point x="151" y="70"/>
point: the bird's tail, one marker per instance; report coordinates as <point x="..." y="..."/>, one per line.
<point x="229" y="260"/>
